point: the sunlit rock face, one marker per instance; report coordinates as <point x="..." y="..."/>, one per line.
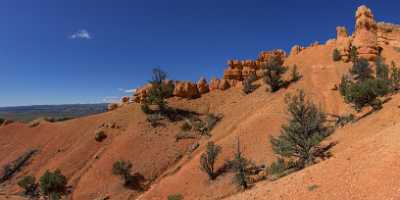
<point x="343" y="43"/>
<point x="366" y="34"/>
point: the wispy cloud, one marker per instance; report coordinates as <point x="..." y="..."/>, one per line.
<point x="81" y="34"/>
<point x="133" y="90"/>
<point x="130" y="90"/>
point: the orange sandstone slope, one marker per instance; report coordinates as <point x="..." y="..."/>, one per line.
<point x="254" y="118"/>
<point x="364" y="165"/>
<point x="71" y="147"/>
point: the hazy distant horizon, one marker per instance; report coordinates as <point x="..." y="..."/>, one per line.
<point x="62" y="104"/>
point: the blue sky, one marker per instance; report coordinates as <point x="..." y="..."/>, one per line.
<point x="82" y="51"/>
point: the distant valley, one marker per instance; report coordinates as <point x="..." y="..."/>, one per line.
<point x="29" y="113"/>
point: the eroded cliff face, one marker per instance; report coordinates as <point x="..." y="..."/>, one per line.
<point x="343" y="42"/>
<point x="366" y="34"/>
<point x="369" y="36"/>
<point x="240" y="70"/>
<point x="388" y="34"/>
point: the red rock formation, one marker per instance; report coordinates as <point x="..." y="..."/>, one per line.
<point x="186" y="89"/>
<point x="388" y="34"/>
<point x="202" y="86"/>
<point x="141" y="93"/>
<point x="125" y="99"/>
<point x="330" y="42"/>
<point x="343" y="42"/>
<point x="234" y="70"/>
<point x="277" y="53"/>
<point x="214" y="83"/>
<point x="365" y="35"/>
<point x="224" y="84"/>
<point x="249" y="68"/>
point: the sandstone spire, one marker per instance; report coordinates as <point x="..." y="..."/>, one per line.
<point x="343" y="42"/>
<point x="365" y="35"/>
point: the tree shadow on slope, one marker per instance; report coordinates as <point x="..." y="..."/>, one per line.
<point x="177" y="114"/>
<point x="324" y="152"/>
<point x="136" y="182"/>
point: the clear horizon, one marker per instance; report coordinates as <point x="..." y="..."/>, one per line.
<point x="77" y="52"/>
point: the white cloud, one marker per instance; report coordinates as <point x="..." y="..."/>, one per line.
<point x="133" y="90"/>
<point x="81" y="34"/>
<point x="130" y="90"/>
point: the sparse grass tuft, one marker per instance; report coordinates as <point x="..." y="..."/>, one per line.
<point x="312" y="187"/>
<point x="177" y="196"/>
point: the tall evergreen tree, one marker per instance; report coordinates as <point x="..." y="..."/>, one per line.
<point x="240" y="164"/>
<point x="353" y="54"/>
<point x="53" y="184"/>
<point x="382" y="70"/>
<point x="273" y="73"/>
<point x="394" y="77"/>
<point x="336" y="55"/>
<point x="208" y="158"/>
<point x="361" y="70"/>
<point x="305" y="130"/>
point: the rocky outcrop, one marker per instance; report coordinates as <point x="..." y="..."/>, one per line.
<point x="202" y="86"/>
<point x="224" y="84"/>
<point x="343" y="42"/>
<point x="249" y="68"/>
<point x="330" y="42"/>
<point x="214" y="84"/>
<point x="279" y="54"/>
<point x="238" y="70"/>
<point x="388" y="34"/>
<point x="365" y="35"/>
<point x="234" y="70"/>
<point x="125" y="99"/>
<point x="221" y="84"/>
<point x="185" y="89"/>
<point x="141" y="93"/>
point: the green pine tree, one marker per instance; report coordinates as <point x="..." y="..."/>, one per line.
<point x="305" y="130"/>
<point x="240" y="165"/>
<point x="208" y="158"/>
<point x="361" y="70"/>
<point x="273" y="74"/>
<point x="336" y="55"/>
<point x="53" y="184"/>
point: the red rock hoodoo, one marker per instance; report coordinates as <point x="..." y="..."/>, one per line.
<point x="365" y="35"/>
